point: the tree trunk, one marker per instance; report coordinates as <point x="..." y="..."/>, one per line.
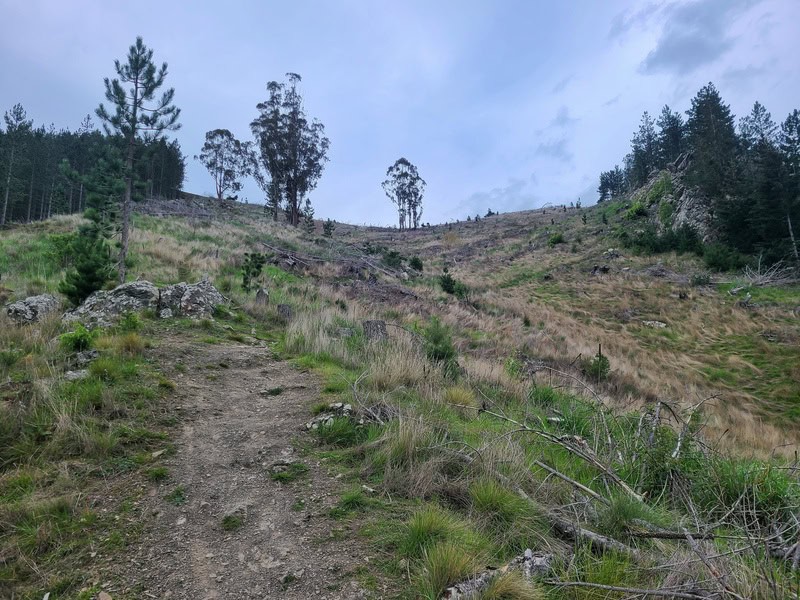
<point x="80" y="198"/>
<point x="41" y="202"/>
<point x="30" y="196"/>
<point x="126" y="214"/>
<point x="791" y="235"/>
<point x="126" y="199"/>
<point x="50" y="198"/>
<point x="8" y="187"/>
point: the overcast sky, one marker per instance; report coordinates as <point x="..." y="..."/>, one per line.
<point x="501" y="104"/>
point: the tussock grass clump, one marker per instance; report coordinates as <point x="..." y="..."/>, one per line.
<point x="511" y="586"/>
<point x="443" y="565"/>
<point x="130" y="344"/>
<point x="433" y="525"/>
<point x="513" y="522"/>
<point x="462" y="399"/>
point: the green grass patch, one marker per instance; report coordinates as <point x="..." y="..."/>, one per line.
<point x="288" y="473"/>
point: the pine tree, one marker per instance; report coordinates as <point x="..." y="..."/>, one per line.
<point x="308" y="217"/>
<point x="712" y="137"/>
<point x="137" y="117"/>
<point x="671" y="136"/>
<point x="17" y="128"/>
<point x="644" y="150"/>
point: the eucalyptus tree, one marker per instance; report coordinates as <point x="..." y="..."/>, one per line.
<point x="138" y="117"/>
<point x="227" y="159"/>
<point x="405" y="188"/>
<point x="292" y="149"/>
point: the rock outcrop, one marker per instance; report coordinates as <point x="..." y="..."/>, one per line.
<point x="32" y="309"/>
<point x="103" y="308"/>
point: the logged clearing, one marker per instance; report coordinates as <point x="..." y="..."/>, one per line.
<point x="520" y="392"/>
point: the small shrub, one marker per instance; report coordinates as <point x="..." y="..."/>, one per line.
<point x="448" y="282"/>
<point x="232" y="522"/>
<point x="78" y="339"/>
<point x="636" y="211"/>
<point x="597" y="368"/>
<point x="177" y="496"/>
<point x="416" y="263"/>
<point x="526" y="321"/>
<point x="251" y="269"/>
<point x="157" y="474"/>
<point x="719" y="257"/>
<point x="393" y="259"/>
<point x="700" y="279"/>
<point x="439" y="346"/>
<point x="327" y="228"/>
<point x="130" y="322"/>
<point x="555" y="239"/>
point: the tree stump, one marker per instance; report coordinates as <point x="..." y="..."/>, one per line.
<point x="262" y="297"/>
<point x="375" y="330"/>
<point x="285" y="312"/>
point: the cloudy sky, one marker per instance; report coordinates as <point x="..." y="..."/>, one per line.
<point x="501" y="104"/>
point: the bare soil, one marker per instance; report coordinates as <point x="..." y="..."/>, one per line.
<point x="243" y="414"/>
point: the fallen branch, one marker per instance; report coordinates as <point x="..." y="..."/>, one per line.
<point x="598" y="542"/>
<point x="640" y="591"/>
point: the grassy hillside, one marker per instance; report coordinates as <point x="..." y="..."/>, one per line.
<point x="500" y="425"/>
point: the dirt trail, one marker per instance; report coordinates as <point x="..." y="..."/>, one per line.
<point x="233" y="433"/>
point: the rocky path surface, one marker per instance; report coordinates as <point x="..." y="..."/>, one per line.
<point x="243" y="414"/>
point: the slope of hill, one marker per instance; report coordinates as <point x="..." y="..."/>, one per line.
<point x="492" y="424"/>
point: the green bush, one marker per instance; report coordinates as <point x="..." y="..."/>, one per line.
<point x="393" y="259"/>
<point x="130" y="322"/>
<point x="636" y="211"/>
<point x="439" y="346"/>
<point x="682" y="240"/>
<point x="597" y="368"/>
<point x="91" y="270"/>
<point x="251" y="269"/>
<point x="79" y="339"/>
<point x="719" y="257"/>
<point x="660" y="189"/>
<point x="416" y="263"/>
<point x="555" y="239"/>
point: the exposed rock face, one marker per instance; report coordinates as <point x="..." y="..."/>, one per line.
<point x="689" y="206"/>
<point x="103" y="308"/>
<point x="32" y="309"/>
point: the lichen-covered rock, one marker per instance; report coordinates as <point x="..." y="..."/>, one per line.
<point x="194" y="300"/>
<point x="32" y="309"/>
<point x="103" y="308"/>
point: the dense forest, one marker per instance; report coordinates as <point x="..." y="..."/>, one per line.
<point x="46" y="171"/>
<point x="750" y="174"/>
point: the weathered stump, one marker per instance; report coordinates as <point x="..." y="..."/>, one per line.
<point x="375" y="330"/>
<point x="285" y="312"/>
<point x="262" y="297"/>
